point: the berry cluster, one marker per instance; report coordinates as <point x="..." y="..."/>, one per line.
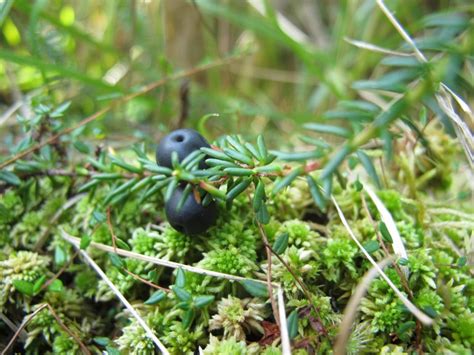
<point x="192" y="217"/>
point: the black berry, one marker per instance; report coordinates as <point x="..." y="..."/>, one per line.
<point x="192" y="217"/>
<point x="182" y="141"/>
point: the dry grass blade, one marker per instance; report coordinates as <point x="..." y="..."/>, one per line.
<point x="410" y="306"/>
<point x="375" y="48"/>
<point x="387" y="218"/>
<point x="23" y="335"/>
<point x="122" y="299"/>
<point x="285" y="339"/>
<point x="150" y="259"/>
<point x="350" y="311"/>
<point x="444" y="97"/>
<point x="285" y="25"/>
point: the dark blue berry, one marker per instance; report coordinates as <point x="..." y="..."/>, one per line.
<point x="192" y="217"/>
<point x="182" y="141"/>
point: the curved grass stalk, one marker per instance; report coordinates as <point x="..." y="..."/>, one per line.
<point x="410" y="306"/>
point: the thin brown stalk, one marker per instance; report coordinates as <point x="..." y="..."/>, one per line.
<point x="301" y="284"/>
<point x="149" y="283"/>
<point x="61" y="324"/>
<point x="269" y="274"/>
<point x="111" y="230"/>
<point x="114" y="243"/>
<point x="47" y="283"/>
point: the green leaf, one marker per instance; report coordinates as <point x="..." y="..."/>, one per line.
<point x="121" y="190"/>
<point x="188" y="318"/>
<point x="404" y="328"/>
<point x="182" y="294"/>
<point x="133" y="169"/>
<point x="98" y="216"/>
<point x="10" y="178"/>
<point x="281" y="243"/>
<point x="262" y="214"/>
<point x="371" y="246"/>
<point x="220" y="163"/>
<point x="60" y="256"/>
<point x="316" y="193"/>
<point x="56" y="286"/>
<point x="111" y="350"/>
<point x="239" y="156"/>
<point x="180" y="278"/>
<point x="82" y="147"/>
<point x="85" y="241"/>
<point x="122" y="245"/>
<point x="116" y="260"/>
<point x="369" y="167"/>
<point x="403" y="261"/>
<point x="358" y="185"/>
<point x="216" y="154"/>
<point x="238" y="189"/>
<point x="288" y="179"/>
<point x="262" y="148"/>
<point x="259" y="196"/>
<point x="385" y="233"/>
<point x="293" y="324"/>
<point x="155" y="298"/>
<point x="298" y="156"/>
<point x="274" y="168"/>
<point x="25" y="287"/>
<point x="87" y="186"/>
<point x="234" y="142"/>
<point x="203" y="301"/>
<point x="158" y="169"/>
<point x="214" y="191"/>
<point x="186" y="193"/>
<point x="239" y="171"/>
<point x="101" y="341"/>
<point x="328" y="129"/>
<point x="171" y="189"/>
<point x="38" y="283"/>
<point x="335" y="161"/>
<point x="253" y="151"/>
<point x="462" y="261"/>
<point x="255" y="288"/>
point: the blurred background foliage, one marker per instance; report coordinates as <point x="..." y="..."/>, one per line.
<point x="294" y="61"/>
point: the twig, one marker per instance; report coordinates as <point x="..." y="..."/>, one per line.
<point x="20" y="328"/>
<point x="269" y="274"/>
<point x="149" y="283"/>
<point x="119" y="101"/>
<point x="114" y="243"/>
<point x="111" y="230"/>
<point x="23" y="335"/>
<point x="67" y="330"/>
<point x="351" y="309"/>
<point x="47" y="283"/>
<point x="61" y="324"/>
<point x="302" y="285"/>
<point x="122" y="298"/>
